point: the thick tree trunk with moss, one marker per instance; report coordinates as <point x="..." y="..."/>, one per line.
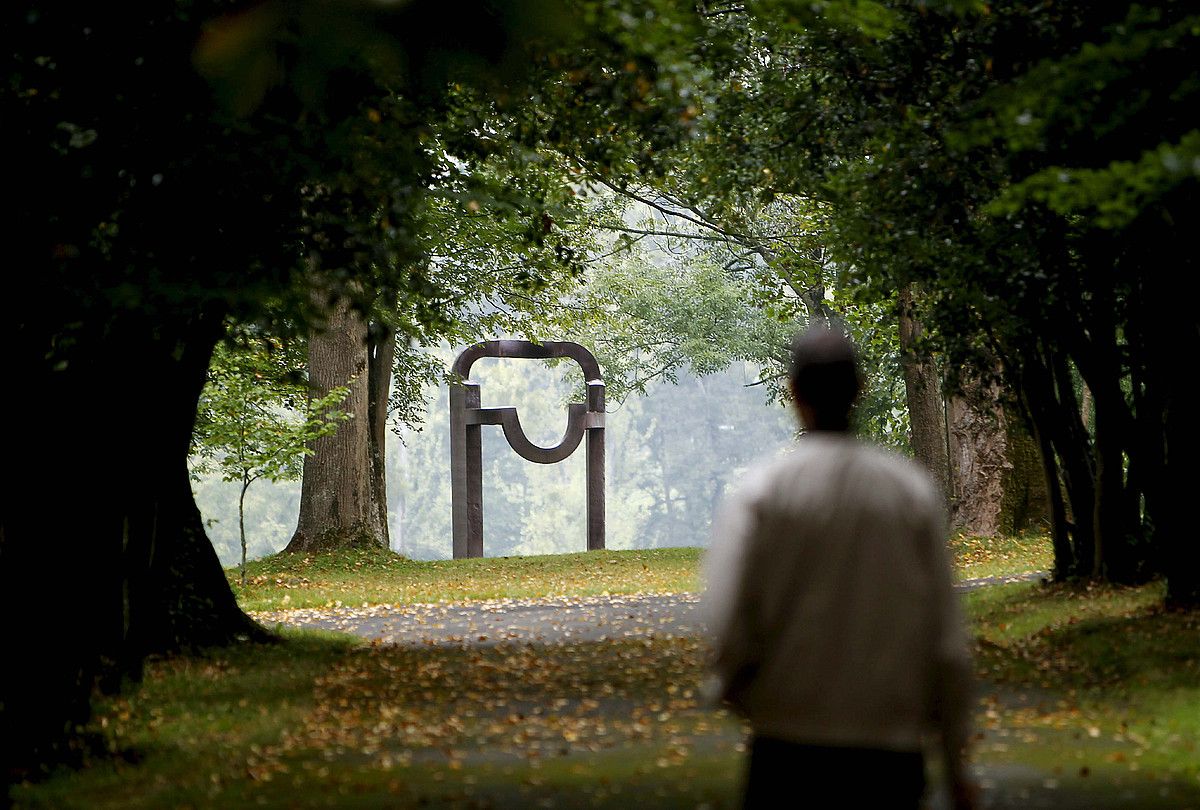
<point x="997" y="482"/>
<point x="1026" y="501"/>
<point x="978" y="460"/>
<point x="990" y="484"/>
<point x="341" y="497"/>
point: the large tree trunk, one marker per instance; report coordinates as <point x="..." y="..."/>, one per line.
<point x="1168" y="432"/>
<point x="997" y="484"/>
<point x="1073" y="445"/>
<point x="341" y="503"/>
<point x="1060" y="534"/>
<point x="1120" y="556"/>
<point x="990" y="480"/>
<point x="96" y="577"/>
<point x="978" y="459"/>
<point x="922" y="388"/>
<point x="1049" y="395"/>
<point x="1173" y="516"/>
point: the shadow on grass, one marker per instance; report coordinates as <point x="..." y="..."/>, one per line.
<point x="1089" y="636"/>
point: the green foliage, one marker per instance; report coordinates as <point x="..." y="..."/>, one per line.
<point x="647" y="321"/>
<point x="1111" y="197"/>
<point x="1023" y="169"/>
<point x="690" y="293"/>
<point x="256" y="418"/>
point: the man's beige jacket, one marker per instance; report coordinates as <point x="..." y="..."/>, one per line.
<point x="830" y="604"/>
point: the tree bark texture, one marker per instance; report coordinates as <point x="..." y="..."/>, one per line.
<point x="923" y="391"/>
<point x="1026" y="500"/>
<point x="339" y="506"/>
<point x="1060" y="533"/>
<point x="1048" y="395"/>
<point x="997" y="485"/>
<point x="986" y="464"/>
<point x="1073" y="446"/>
<point x="978" y="459"/>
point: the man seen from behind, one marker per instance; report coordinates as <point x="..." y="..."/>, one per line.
<point x="834" y="625"/>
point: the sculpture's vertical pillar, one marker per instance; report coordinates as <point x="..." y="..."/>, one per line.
<point x="595" y="466"/>
<point x="466" y="473"/>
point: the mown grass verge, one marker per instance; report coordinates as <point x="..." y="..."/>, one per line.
<point x="377" y="576"/>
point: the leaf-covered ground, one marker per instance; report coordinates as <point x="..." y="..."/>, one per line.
<point x="1092" y="680"/>
<point x="980" y="557"/>
<point x="316" y="722"/>
<point x="379" y="577"/>
<point x="1091" y="700"/>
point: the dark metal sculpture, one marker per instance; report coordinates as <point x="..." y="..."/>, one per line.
<point x="466" y="447"/>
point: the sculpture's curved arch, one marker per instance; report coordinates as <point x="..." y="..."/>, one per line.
<point x="527" y="350"/>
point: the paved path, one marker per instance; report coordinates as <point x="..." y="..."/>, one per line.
<point x="983" y="582"/>
<point x="537" y="621"/>
<point x="485" y="623"/>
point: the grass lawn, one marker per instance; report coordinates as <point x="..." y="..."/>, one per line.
<point x="1110" y="681"/>
<point x="379" y="577"/>
<point x="318" y="721"/>
<point x="1092" y="700"/>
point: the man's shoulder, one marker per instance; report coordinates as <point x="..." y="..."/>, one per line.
<point x="822" y="458"/>
<point x="900" y="471"/>
<point x="817" y="458"/>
